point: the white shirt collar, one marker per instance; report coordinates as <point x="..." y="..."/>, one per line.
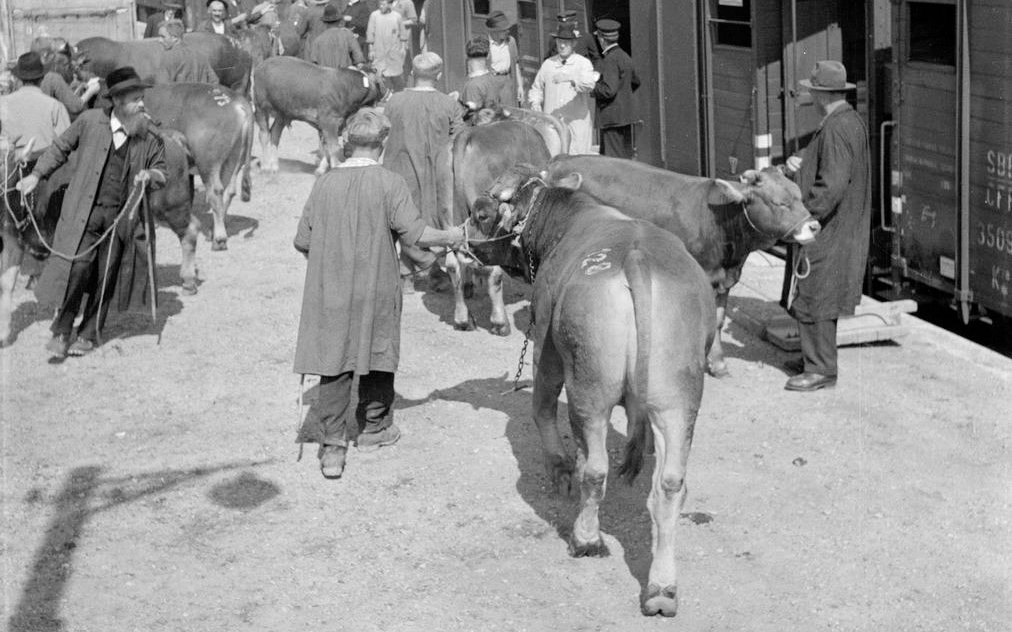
<point x="357" y="162"/>
<point x="116" y="126"/>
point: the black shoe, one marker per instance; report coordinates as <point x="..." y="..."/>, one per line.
<point x="810" y="382"/>
<point x="58" y="345"/>
<point x="793" y="367"/>
<point x="369" y="441"/>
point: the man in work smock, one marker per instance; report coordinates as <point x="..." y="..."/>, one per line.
<point x="351" y="305"/>
<point x="824" y="278"/>
<point x="563" y="88"/>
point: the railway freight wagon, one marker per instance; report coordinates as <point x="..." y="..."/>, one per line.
<point x="951" y="197"/>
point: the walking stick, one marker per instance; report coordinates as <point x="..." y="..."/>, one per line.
<point x="152" y="281"/>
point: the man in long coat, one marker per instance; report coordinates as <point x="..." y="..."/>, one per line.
<point x="115" y="149"/>
<point x="562" y="88"/>
<point x="351" y="304"/>
<point x="337" y="47"/>
<point x="614" y="93"/>
<point x="824" y="278"/>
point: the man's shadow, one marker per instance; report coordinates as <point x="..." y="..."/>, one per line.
<point x="623" y="513"/>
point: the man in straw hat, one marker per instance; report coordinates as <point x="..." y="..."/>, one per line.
<point x="823" y="280"/>
<point x="504" y="59"/>
<point x="614" y="93"/>
<point x="351" y="305"/>
<point x="27" y="113"/>
<point x="562" y="88"/>
<point x="115" y="149"/>
<point x="337" y="47"/>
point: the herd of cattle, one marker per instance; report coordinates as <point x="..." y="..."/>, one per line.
<point x="624" y="313"/>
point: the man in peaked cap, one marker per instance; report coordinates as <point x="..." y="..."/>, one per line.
<point x="585" y="44"/>
<point x="824" y="278"/>
<point x="614" y="93"/>
<point x="171" y="10"/>
<point x="115" y="149"/>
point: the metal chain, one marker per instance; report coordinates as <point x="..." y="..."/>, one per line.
<point x="527" y="334"/>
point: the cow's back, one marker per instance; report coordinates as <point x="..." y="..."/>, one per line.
<point x="229" y="62"/>
<point x="677" y="203"/>
<point x="295" y="88"/>
<point x="481" y="154"/>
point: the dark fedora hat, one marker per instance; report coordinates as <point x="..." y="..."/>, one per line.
<point x="497" y="21"/>
<point x="123" y="80"/>
<point x="29" y="67"/>
<point x="828" y="76"/>
<point x="331" y="14"/>
<point x="566" y="30"/>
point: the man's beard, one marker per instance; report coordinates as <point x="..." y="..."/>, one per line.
<point x="135" y="123"/>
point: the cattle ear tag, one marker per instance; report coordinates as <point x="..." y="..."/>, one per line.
<point x="365" y="81"/>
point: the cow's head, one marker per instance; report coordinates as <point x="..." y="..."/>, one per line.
<point x="771" y="205"/>
<point x="499" y="216"/>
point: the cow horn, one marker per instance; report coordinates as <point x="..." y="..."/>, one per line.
<point x="751" y="176"/>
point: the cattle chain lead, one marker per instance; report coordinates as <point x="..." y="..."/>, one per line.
<point x="527" y="334"/>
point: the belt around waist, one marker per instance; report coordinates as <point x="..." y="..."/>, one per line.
<point x="500" y="74"/>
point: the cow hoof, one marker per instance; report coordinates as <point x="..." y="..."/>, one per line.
<point x="219" y="245"/>
<point x="469" y="290"/>
<point x="189" y="288"/>
<point x="467" y="325"/>
<point x="662" y="601"/>
<point x="597" y="548"/>
<point x="718" y="369"/>
<point x="501" y="329"/>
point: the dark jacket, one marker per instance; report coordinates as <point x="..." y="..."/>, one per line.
<point x="835" y="183"/>
<point x="614" y="90"/>
<point x="205" y="26"/>
<point x="90" y="136"/>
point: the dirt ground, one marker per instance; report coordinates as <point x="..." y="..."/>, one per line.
<point x="153" y="485"/>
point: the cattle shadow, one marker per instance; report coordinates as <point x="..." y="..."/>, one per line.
<point x="234" y="225"/>
<point x="24" y="316"/>
<point x="288" y="165"/>
<point x="85" y="494"/>
<point x="623" y="513"/>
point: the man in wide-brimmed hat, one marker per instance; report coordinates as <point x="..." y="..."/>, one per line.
<point x="614" y="93"/>
<point x="585" y="44"/>
<point x="336" y="47"/>
<point x="351" y="306"/>
<point x="27" y="113"/>
<point x="171" y="10"/>
<point x="562" y="88"/>
<point x="115" y="150"/>
<point x="504" y="59"/>
<point x="824" y="278"/>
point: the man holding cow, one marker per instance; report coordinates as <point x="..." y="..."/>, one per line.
<point x="115" y="150"/>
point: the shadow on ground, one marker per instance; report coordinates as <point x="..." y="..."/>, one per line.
<point x="623" y="513"/>
<point x="85" y="494"/>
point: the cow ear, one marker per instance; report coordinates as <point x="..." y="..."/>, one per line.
<point x="571" y="181"/>
<point x="724" y="192"/>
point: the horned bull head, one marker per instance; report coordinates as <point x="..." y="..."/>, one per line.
<point x="770" y="203"/>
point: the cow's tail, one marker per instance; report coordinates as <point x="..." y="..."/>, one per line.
<point x="637" y="272"/>
<point x="247" y="153"/>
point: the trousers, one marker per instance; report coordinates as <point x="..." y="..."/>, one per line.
<point x="617" y="142"/>
<point x="327" y="421"/>
<point x="86" y="276"/>
<point x="818" y="346"/>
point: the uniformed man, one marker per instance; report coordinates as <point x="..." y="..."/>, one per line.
<point x="171" y="10"/>
<point x="614" y="93"/>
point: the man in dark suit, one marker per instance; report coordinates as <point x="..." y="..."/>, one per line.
<point x="614" y="93"/>
<point x="172" y="10"/>
<point x="115" y="151"/>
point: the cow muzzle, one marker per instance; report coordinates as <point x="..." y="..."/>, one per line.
<point x="806" y="232"/>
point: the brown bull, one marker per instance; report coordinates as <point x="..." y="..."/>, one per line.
<point x="287" y="89"/>
<point x="623" y="315"/>
<point x="218" y="126"/>
<point x="480" y="155"/>
<point x="720" y="222"/>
